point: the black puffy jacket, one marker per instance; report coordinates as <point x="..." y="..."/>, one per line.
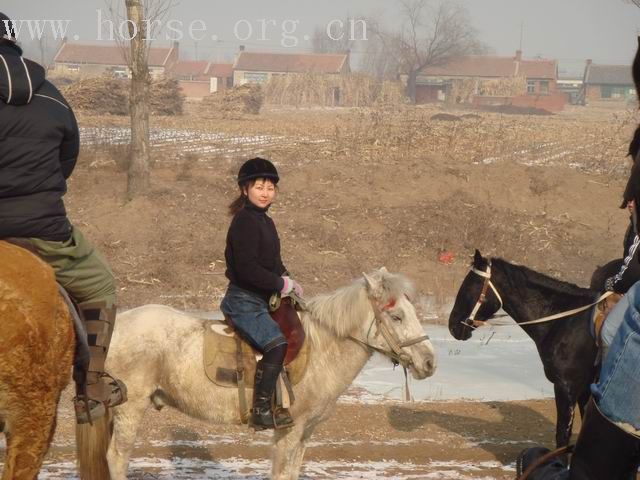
<point x="39" y="145"/>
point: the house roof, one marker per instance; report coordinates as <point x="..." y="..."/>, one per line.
<point x="538" y="68"/>
<point x="291" y="62"/>
<point x="608" y="75"/>
<point x="190" y="67"/>
<point x="493" y="66"/>
<point x="220" y="70"/>
<point x="109" y="54"/>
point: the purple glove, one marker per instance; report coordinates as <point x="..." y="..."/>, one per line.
<point x="290" y="285"/>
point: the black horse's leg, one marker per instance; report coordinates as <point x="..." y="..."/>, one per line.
<point x="565" y="407"/>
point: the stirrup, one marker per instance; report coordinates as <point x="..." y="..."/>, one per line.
<point x="282" y="418"/>
<point x="88" y="410"/>
<point x="118" y="393"/>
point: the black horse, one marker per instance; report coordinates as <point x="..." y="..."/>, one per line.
<point x="566" y="346"/>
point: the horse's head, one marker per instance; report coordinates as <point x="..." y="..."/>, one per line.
<point x="395" y="329"/>
<point x="476" y="301"/>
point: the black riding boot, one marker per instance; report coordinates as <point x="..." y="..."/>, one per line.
<point x="100" y="390"/>
<point x="263" y="415"/>
<point x="603" y="452"/>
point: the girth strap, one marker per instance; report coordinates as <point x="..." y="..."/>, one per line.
<point x="242" y="393"/>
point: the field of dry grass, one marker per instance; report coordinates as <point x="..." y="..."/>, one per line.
<point x="361" y="188"/>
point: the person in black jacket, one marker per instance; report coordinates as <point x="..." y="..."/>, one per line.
<point x="629" y="272"/>
<point x="39" y="146"/>
<point x="256" y="272"/>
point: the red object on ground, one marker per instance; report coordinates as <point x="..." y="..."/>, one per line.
<point x="446" y="257"/>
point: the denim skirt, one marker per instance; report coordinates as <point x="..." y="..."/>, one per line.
<point x="249" y="314"/>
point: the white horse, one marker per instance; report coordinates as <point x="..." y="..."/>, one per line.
<point x="157" y="352"/>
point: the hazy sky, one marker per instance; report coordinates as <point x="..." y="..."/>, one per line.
<point x="568" y="30"/>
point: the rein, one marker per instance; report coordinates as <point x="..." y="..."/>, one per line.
<point x="473" y="323"/>
<point x="396" y="353"/>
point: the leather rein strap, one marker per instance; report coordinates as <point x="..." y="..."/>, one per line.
<point x="472" y="322"/>
<point x="396" y="352"/>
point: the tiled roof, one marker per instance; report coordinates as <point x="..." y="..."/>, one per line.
<point x="190" y="67"/>
<point x="609" y="75"/>
<point x="492" y="66"/>
<point x="288" y="62"/>
<point x="81" y="53"/>
<point x="220" y="70"/>
<point x="538" y="68"/>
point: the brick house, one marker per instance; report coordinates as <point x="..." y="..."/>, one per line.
<point x="259" y="67"/>
<point x="492" y="80"/>
<point x="82" y="59"/>
<point x="198" y="79"/>
<point x="608" y="83"/>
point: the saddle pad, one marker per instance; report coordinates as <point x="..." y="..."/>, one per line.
<point x="220" y="357"/>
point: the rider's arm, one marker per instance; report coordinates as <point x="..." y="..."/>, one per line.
<point x="70" y="147"/>
<point x="629" y="272"/>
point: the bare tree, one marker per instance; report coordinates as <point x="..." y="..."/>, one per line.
<point x="143" y="20"/>
<point x="431" y="34"/>
<point x="378" y="58"/>
<point x="332" y="39"/>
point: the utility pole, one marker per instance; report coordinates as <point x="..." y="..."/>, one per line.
<point x="521" y="34"/>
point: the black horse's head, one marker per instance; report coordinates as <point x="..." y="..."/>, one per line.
<point x="469" y="296"/>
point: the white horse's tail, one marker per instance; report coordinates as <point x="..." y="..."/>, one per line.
<point x="92" y="443"/>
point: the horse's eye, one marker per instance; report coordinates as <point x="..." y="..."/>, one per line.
<point x="397" y="318"/>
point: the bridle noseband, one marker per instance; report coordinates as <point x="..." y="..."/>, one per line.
<point x="396" y="346"/>
<point x="471" y="321"/>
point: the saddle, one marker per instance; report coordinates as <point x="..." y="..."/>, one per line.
<point x="226" y="353"/>
<point x="231" y="362"/>
<point x="601" y="312"/>
<point x="81" y="356"/>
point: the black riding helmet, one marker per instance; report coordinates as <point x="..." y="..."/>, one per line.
<point x="257" y="168"/>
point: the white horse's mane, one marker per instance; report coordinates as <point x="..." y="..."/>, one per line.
<point x="340" y="313"/>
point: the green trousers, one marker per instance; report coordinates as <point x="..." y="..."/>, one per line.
<point x="79" y="268"/>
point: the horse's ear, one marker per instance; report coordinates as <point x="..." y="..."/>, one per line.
<point x="477" y="258"/>
<point x="371" y="284"/>
<point x="384" y="270"/>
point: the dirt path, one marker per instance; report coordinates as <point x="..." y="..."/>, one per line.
<point x="453" y="440"/>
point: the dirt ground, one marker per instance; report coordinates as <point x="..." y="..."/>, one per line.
<point x="441" y="440"/>
<point x="361" y="189"/>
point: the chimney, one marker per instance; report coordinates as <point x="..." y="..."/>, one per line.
<point x="589" y="61"/>
<point x="518" y="55"/>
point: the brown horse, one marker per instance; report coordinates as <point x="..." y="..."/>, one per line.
<point x="36" y="353"/>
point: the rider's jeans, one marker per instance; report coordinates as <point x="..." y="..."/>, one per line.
<point x="618" y="389"/>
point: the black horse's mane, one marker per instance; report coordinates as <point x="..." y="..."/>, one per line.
<point x="544" y="281"/>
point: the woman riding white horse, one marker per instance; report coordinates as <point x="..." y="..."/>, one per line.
<point x="158" y="352"/>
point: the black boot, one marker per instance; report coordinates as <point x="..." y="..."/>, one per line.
<point x="100" y="390"/>
<point x="603" y="452"/>
<point x="263" y="415"/>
